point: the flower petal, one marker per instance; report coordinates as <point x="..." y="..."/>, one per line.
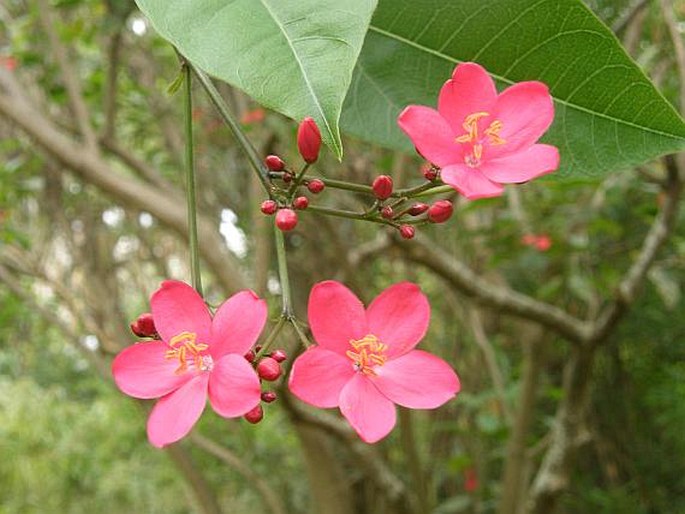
<point x="418" y="380"/>
<point x="431" y="134"/>
<point x="522" y="166"/>
<point x="175" y="414"/>
<point x="470" y="182"/>
<point x="370" y="413"/>
<point x="399" y="317"/>
<point x="470" y="90"/>
<point x="237" y="324"/>
<point x="176" y="308"/>
<point x="319" y="375"/>
<point x="335" y="316"/>
<point x="234" y="386"/>
<point x="526" y="111"/>
<point x="143" y="371"/>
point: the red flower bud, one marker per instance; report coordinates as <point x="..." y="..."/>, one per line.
<point x="286" y="219"/>
<point x="249" y="356"/>
<point x="268" y="369"/>
<point x="301" y="202"/>
<point x="316" y="186"/>
<point x="309" y="140"/>
<point x="268" y="396"/>
<point x="430" y="172"/>
<point x="407" y="231"/>
<point x="387" y="212"/>
<point x="144" y="326"/>
<point x="269" y="207"/>
<point x="382" y="187"/>
<point x="255" y="415"/>
<point x="278" y="355"/>
<point x="274" y="163"/>
<point x="287" y="177"/>
<point x="417" y="208"/>
<point x="440" y="211"/>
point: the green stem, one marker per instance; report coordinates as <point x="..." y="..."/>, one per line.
<point x="298" y="179"/>
<point x="436" y="190"/>
<point x="190" y="181"/>
<point x="272" y="337"/>
<point x="287" y="311"/>
<point x="244" y="143"/>
<point x="347" y="186"/>
<point x="301" y="335"/>
<point x="327" y="211"/>
<point x="415" y="191"/>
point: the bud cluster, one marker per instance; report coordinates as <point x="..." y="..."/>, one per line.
<point x="268" y="369"/>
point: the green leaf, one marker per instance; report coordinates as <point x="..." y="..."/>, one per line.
<point x="294" y="56"/>
<point x="608" y="114"/>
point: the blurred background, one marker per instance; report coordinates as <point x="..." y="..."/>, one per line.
<point x="92" y="218"/>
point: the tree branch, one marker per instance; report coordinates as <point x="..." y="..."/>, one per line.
<point x="91" y="168"/>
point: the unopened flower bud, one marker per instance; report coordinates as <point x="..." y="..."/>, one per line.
<point x="274" y="163"/>
<point x="417" y="208"/>
<point x="144" y="326"/>
<point x="430" y="172"/>
<point x="269" y="207"/>
<point x="286" y="219"/>
<point x="309" y="140"/>
<point x="382" y="187"/>
<point x="249" y="356"/>
<point x="387" y="212"/>
<point x="316" y="186"/>
<point x="255" y="415"/>
<point x="301" y="202"/>
<point x="440" y="211"/>
<point x="278" y="355"/>
<point x="287" y="177"/>
<point x="268" y="369"/>
<point x="407" y="231"/>
<point x="268" y="396"/>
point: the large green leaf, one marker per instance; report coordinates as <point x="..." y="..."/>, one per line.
<point x="294" y="56"/>
<point x="608" y="114"/>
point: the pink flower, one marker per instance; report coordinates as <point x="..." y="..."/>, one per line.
<point x="365" y="361"/>
<point x="197" y="357"/>
<point x="541" y="242"/>
<point x="480" y="139"/>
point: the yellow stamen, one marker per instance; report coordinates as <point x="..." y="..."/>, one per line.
<point x="185" y="348"/>
<point x="367" y="353"/>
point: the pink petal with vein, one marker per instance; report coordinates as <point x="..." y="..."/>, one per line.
<point x="176" y="308"/>
<point x="370" y="413"/>
<point x="174" y="415"/>
<point x="233" y="386"/>
<point x="142" y="371"/>
<point x="319" y="375"/>
<point x="417" y="380"/>
<point x="522" y="166"/>
<point x="526" y="111"/>
<point x="237" y="324"/>
<point x="470" y="182"/>
<point x="431" y="134"/>
<point x="470" y="90"/>
<point x="399" y="317"/>
<point x="335" y="316"/>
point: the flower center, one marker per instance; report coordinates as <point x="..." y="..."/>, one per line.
<point x="475" y="140"/>
<point x="367" y="353"/>
<point x="189" y="353"/>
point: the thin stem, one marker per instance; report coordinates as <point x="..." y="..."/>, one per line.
<point x="300" y="334"/>
<point x="190" y="181"/>
<point x="347" y="214"/>
<point x="283" y="274"/>
<point x="298" y="179"/>
<point x="272" y="337"/>
<point x="435" y="190"/>
<point x="347" y="186"/>
<point x="233" y="125"/>
<point x="413" y="191"/>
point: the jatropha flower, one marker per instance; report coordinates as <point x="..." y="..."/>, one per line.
<point x="480" y="139"/>
<point x="197" y="357"/>
<point x="365" y="361"/>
